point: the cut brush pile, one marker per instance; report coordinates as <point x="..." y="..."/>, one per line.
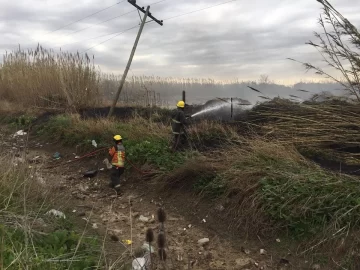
<point x="326" y="130"/>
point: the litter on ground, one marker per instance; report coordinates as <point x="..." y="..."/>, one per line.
<point x="56" y="213"/>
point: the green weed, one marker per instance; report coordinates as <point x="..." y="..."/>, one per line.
<point x="209" y="186"/>
<point x="155" y="152"/>
<point x="55" y="250"/>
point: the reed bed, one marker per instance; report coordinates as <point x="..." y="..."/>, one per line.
<point x="44" y="78"/>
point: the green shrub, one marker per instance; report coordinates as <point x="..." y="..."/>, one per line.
<point x="211" y="187"/>
<point x="55" y="250"/>
<point x="156" y="152"/>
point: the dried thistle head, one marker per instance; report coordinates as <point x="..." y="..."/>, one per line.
<point x="161" y="215"/>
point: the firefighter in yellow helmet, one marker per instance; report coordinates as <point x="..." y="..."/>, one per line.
<point x="117" y="154"/>
<point x="178" y="123"/>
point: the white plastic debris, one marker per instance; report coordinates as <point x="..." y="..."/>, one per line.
<point x="56" y="213"/>
<point x="204" y="220"/>
<point x="95" y="226"/>
<point x="107" y="163"/>
<point x="138" y="264"/>
<point x="143" y="219"/>
<point x="19" y="133"/>
<point x="93" y="142"/>
<point x="263" y="251"/>
<point x="146" y="247"/>
<point x="203" y="241"/>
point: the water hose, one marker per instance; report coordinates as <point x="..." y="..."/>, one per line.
<point x="92" y="154"/>
<point x="77" y="159"/>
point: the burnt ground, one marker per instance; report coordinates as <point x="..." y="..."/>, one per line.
<point x="89" y="202"/>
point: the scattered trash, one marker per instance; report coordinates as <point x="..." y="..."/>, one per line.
<point x="95" y="226"/>
<point x="90" y="174"/>
<point x="57" y="155"/>
<point x="204" y="220"/>
<point x="93" y="142"/>
<point x="189" y="226"/>
<point x="262" y="251"/>
<point x="83" y="188"/>
<point x="56" y="213"/>
<point x="101" y="169"/>
<point x="74" y="211"/>
<point x="127" y="242"/>
<point x="203" y="241"/>
<point x="19" y="133"/>
<point x="245" y="250"/>
<point x="278" y="240"/>
<point x="138" y="264"/>
<point x="35" y="159"/>
<point x="143" y="219"/>
<point x="146" y="247"/>
<point x="77" y="157"/>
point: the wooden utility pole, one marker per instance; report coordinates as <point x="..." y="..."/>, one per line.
<point x="122" y="82"/>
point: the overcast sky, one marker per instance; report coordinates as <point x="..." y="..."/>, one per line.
<point x="241" y="39"/>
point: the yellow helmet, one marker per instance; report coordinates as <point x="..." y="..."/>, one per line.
<point x="180" y="104"/>
<point x="117" y="138"/>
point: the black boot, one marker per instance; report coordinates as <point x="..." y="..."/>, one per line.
<point x="117" y="189"/>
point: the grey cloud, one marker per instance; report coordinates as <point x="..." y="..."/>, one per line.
<point x="248" y="38"/>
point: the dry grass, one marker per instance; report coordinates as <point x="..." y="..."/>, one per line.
<point x="71" y="129"/>
<point x="269" y="189"/>
<point x="324" y="127"/>
<point x="42" y="78"/>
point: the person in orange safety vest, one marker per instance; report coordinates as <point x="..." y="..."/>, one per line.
<point x="117" y="154"/>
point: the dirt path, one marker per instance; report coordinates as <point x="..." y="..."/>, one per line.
<point x="126" y="217"/>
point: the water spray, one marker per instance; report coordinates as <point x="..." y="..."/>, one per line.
<point x="209" y="110"/>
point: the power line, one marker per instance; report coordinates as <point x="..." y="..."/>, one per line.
<point x="176" y="16"/>
<point x="180" y="15"/>
<point x="100" y="23"/>
<point x="117" y="32"/>
<point x="153" y="4"/>
<point x="101" y="10"/>
<point x="136" y="26"/>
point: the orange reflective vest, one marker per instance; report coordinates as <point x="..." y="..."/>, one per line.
<point x="117" y="154"/>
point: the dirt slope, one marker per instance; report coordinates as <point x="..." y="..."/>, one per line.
<point x="116" y="218"/>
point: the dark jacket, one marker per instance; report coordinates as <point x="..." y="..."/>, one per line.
<point x="178" y="121"/>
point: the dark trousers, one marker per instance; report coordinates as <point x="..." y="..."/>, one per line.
<point x="179" y="141"/>
<point x="116" y="173"/>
